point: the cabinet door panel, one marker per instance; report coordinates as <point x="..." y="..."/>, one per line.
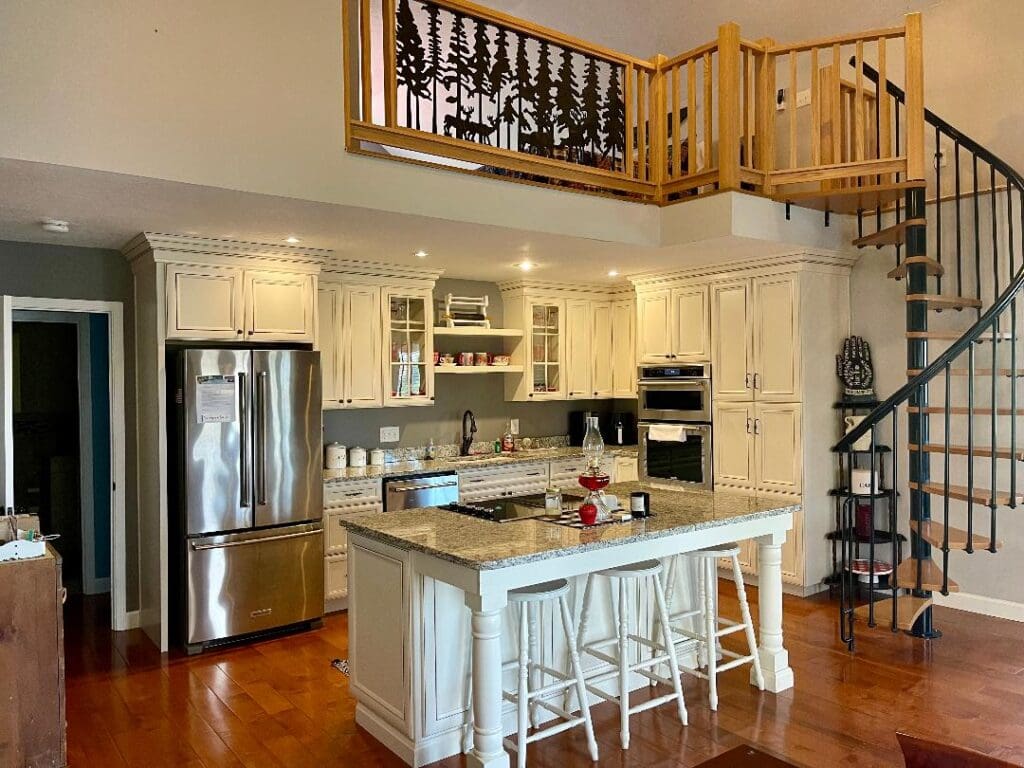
<point x="547" y="354"/>
<point x="778" y="447"/>
<point x="653" y="338"/>
<point x="623" y="349"/>
<point x="731" y="364"/>
<point x="361" y="349"/>
<point x="579" y="361"/>
<point x="204" y="303"/>
<point x="691" y="320"/>
<point x="329" y="342"/>
<point x="602" y="350"/>
<point x="776" y="338"/>
<point x="409" y="339"/>
<point x="734" y="445"/>
<point x="279" y="306"/>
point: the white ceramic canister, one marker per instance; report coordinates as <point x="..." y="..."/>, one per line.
<point x="335" y="456"/>
<point x="377" y="457"/>
<point x="862" y="481"/>
<point x="357" y="457"/>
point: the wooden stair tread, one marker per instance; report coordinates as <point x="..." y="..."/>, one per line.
<point x="932" y="267"/>
<point x="894" y="235"/>
<point x="936" y="301"/>
<point x="934" y="532"/>
<point x="849" y="199"/>
<point x="977" y="372"/>
<point x="954" y="335"/>
<point x="961" y="410"/>
<point x="978" y="495"/>
<point x="983" y="451"/>
<point x="908" y="608"/>
<point x="931" y="577"/>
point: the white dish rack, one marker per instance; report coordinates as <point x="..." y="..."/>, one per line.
<point x="465" y="311"/>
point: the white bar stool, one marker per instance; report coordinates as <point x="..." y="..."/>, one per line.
<point x="529" y="696"/>
<point x="663" y="652"/>
<point x="711" y="626"/>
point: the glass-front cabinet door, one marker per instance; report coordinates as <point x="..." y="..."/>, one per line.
<point x="546" y="352"/>
<point x="408" y="323"/>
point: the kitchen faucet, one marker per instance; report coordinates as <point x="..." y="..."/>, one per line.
<point x="468" y="430"/>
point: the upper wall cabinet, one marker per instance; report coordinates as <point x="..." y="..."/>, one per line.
<point x="673" y="325"/>
<point x="207" y="303"/>
<point x="409" y="325"/>
<point x="349" y="337"/>
<point x="624" y="348"/>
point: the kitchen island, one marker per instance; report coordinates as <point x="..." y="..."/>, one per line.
<point x="428" y="598"/>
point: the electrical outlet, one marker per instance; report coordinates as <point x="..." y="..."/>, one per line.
<point x="389" y="434"/>
<point x="940" y="159"/>
<point x="514" y="426"/>
<point x="780" y="100"/>
<point x="803" y="98"/>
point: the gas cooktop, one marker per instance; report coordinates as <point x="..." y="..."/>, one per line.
<point x="509" y="510"/>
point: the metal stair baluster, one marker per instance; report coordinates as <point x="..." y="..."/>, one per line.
<point x="945" y="489"/>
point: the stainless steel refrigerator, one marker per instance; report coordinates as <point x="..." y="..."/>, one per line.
<point x="246" y="491"/>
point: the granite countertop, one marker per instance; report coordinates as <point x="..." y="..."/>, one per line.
<point x="484" y="545"/>
<point x="427" y="466"/>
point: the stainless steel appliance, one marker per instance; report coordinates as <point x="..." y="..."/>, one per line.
<point x="681" y="461"/>
<point x="246" y="491"/>
<point x="680" y="392"/>
<point x="416" y="491"/>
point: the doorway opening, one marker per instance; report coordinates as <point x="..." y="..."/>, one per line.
<point x="63" y="440"/>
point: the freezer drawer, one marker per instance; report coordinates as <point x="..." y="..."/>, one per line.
<point x="248" y="582"/>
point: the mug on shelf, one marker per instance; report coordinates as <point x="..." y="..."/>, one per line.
<point x="466" y="358"/>
<point x="482" y="358"/>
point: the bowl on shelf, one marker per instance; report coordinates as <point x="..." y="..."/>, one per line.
<point x="501" y="360"/>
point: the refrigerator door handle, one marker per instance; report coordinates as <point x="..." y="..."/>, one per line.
<point x="245" y="465"/>
<point x="261" y="438"/>
<point x="244" y="542"/>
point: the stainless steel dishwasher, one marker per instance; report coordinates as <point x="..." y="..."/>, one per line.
<point x="415" y="491"/>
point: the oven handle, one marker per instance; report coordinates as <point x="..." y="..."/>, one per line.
<point x="676" y="383"/>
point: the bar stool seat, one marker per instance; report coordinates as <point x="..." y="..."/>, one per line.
<point x="619" y="664"/>
<point x="711" y="626"/>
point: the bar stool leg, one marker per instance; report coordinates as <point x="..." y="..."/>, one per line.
<point x="623" y="664"/>
<point x="710" y="630"/>
<point x="656" y="628"/>
<point x="673" y="661"/>
<point x="523" y="701"/>
<point x="536" y="676"/>
<point x="702" y="657"/>
<point x="577" y="670"/>
<point x="748" y="624"/>
<point x="579" y="638"/>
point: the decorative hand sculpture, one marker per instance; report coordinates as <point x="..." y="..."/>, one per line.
<point x="854" y="369"/>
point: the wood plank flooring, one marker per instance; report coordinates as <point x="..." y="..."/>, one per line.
<point x="279" y="703"/>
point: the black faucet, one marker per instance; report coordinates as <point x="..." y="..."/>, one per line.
<point x="468" y="430"/>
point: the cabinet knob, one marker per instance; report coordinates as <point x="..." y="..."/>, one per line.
<point x="239" y="331"/>
<point x="250" y="331"/>
<point x="350" y="400"/>
<point x="342" y="401"/>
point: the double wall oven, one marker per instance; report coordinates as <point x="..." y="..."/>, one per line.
<point x="675" y="425"/>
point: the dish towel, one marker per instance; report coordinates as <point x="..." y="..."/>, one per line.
<point x="667" y="433"/>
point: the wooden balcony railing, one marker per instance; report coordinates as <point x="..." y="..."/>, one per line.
<point x="454" y="84"/>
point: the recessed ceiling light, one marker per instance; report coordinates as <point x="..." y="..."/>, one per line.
<point x="56" y="225"/>
<point x="526" y="266"/>
<point x="613" y="273"/>
<point x="292" y="240"/>
<point x="421" y="254"/>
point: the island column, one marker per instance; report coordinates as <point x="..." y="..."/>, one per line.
<point x="778" y="676"/>
<point x="488" y="750"/>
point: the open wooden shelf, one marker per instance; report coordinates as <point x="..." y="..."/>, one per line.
<point x="472" y="331"/>
<point x="469" y="369"/>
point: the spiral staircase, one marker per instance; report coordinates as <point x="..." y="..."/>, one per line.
<point x="957" y="414"/>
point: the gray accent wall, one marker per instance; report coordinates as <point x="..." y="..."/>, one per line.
<point x="66" y="272"/>
<point x="484" y="395"/>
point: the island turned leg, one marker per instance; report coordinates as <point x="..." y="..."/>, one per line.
<point x="487" y="751"/>
<point x="778" y="676"/>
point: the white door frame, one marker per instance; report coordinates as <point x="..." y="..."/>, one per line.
<point x="114" y="311"/>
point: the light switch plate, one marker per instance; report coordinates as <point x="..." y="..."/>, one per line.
<point x="514" y="426"/>
<point x="389" y="434"/>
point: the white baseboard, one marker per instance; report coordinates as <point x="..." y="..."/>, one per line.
<point x="132" y="620"/>
<point x="988" y="606"/>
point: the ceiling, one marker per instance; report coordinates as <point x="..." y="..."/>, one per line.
<point x="106" y="210"/>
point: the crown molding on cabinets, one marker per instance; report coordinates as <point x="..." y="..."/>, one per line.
<point x="374" y="272"/>
<point x="567" y="290"/>
<point x="832" y="262"/>
<point x="189" y="249"/>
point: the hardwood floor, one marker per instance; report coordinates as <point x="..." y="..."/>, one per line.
<point x="280" y="703"/>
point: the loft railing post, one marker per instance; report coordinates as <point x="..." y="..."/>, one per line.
<point x="728" y="106"/>
<point x="659" y="127"/>
<point x="766" y="112"/>
<point x="350" y="53"/>
<point x="390" y="70"/>
<point x="913" y="48"/>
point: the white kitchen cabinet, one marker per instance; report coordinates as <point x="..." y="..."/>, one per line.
<point x="626" y="470"/>
<point x="328" y="339"/>
<point x="408" y="320"/>
<point x="602" y="349"/>
<point x="623" y="347"/>
<point x="734" y="445"/>
<point x="579" y="359"/>
<point x="341" y="499"/>
<point x="495" y="482"/>
<point x="349" y="337"/>
<point x="207" y="302"/>
<point x="776" y="336"/>
<point x="732" y="359"/>
<point x="673" y="325"/>
<point x="779" y="455"/>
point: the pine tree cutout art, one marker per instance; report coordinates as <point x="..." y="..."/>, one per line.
<point x="590" y="107"/>
<point x="522" y="83"/>
<point x="567" y="99"/>
<point x="613" y="118"/>
<point x="542" y="140"/>
<point x="481" y="69"/>
<point x="411" y="71"/>
<point x="501" y="75"/>
<point x="457" y="76"/>
<point x="435" y="70"/>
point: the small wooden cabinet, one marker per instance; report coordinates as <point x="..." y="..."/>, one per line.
<point x="210" y="302"/>
<point x="349" y="338"/>
<point x="758" y="446"/>
<point x="579" y="338"/>
<point x="673" y="325"/>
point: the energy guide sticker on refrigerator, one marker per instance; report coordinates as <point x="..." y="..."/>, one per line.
<point x="215" y="399"/>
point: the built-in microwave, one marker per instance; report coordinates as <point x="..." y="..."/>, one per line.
<point x="679" y="392"/>
<point x="675" y="454"/>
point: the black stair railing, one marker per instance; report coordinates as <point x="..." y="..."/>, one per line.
<point x="995" y="326"/>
